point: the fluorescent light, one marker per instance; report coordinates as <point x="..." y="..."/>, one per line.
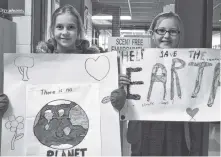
<point x="125" y="17"/>
<point x="132" y="31"/>
<point x="110" y="17"/>
<point x="101" y="17"/>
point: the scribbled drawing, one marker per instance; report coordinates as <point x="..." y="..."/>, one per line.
<point x="61" y="124"/>
<point x="192" y="112"/>
<point x="201" y="66"/>
<point x="14" y="124"/>
<point x="158" y="78"/>
<point x="175" y="74"/>
<point x="215" y="84"/>
<point x="93" y="67"/>
<point x="23" y="63"/>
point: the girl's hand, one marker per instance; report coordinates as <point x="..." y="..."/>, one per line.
<point x="4" y="102"/>
<point x="124" y="80"/>
<point x="118" y="98"/>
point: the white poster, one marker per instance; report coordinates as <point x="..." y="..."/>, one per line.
<point x="62" y="120"/>
<point x="172" y="85"/>
<point x="21" y="70"/>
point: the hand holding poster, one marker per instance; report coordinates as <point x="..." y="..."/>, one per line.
<point x="172" y="85"/>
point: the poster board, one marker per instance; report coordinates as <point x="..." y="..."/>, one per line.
<point x="172" y="85"/>
<point x="59" y="121"/>
<point x="63" y="69"/>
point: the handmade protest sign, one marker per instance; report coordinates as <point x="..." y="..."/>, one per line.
<point x="59" y="121"/>
<point x="127" y="43"/>
<point x="172" y="84"/>
<point x="22" y="70"/>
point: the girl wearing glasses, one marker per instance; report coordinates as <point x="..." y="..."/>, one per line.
<point x="156" y="138"/>
<point x="167" y="30"/>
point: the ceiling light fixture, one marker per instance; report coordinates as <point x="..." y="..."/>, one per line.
<point x="132" y="31"/>
<point x="110" y="17"/>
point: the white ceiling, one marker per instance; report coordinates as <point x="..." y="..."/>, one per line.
<point x="143" y="11"/>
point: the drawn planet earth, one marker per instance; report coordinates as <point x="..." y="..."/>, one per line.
<point x="61" y="124"/>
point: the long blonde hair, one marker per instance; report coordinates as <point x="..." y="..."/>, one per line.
<point x="166" y="15"/>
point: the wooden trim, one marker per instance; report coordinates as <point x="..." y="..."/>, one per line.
<point x="82" y="9"/>
<point x="41" y="19"/>
<point x="36" y="22"/>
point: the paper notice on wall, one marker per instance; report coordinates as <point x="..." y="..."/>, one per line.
<point x="128" y="43"/>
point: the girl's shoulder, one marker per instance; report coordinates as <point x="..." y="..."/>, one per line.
<point x="82" y="47"/>
<point x="45" y="47"/>
<point x="92" y="50"/>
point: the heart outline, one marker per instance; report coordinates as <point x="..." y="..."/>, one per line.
<point x="192" y="112"/>
<point x="95" y="61"/>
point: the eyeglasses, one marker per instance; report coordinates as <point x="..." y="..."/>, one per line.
<point x="172" y="32"/>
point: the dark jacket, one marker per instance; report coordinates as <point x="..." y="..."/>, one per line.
<point x="158" y="138"/>
<point x="161" y="134"/>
